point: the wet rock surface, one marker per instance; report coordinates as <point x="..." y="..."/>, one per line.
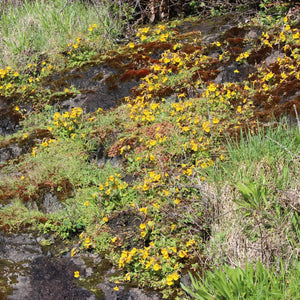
<point x="9" y="121"/>
<point x="29" y="271"/>
<point x="32" y="274"/>
<point x="100" y="86"/>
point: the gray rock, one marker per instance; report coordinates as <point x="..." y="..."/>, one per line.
<point x="51" y="203"/>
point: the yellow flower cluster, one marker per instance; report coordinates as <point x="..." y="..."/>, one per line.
<point x="243" y="56"/>
<point x="151" y="180"/>
<point x="5" y="72"/>
<point x="92" y="27"/>
<point x="68" y="122"/>
<point x="75" y="45"/>
<point x="113" y="186"/>
<point x="47" y="142"/>
<point x="166" y="261"/>
<point x="287" y="34"/>
<point x="155" y="34"/>
<point x="141" y="110"/>
<point x="289" y="67"/>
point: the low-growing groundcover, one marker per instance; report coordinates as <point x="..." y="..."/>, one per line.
<point x="188" y="174"/>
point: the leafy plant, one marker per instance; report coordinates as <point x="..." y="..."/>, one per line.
<point x="255" y="281"/>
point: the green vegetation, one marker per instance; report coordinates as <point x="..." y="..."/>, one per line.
<point x="36" y="30"/>
<point x="247" y="283"/>
<point x="185" y="175"/>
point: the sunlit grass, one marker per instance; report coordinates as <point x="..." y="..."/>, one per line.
<point x="34" y="30"/>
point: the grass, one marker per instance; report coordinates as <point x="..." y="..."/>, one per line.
<point x="252" y="282"/>
<point x="44" y="28"/>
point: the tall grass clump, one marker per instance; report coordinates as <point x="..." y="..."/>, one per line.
<point x="251" y="282"/>
<point x="256" y="221"/>
<point x="31" y="28"/>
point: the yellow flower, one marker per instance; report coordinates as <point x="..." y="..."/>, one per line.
<point x="194" y="146"/>
<point x="150" y="223"/>
<point x="17" y="108"/>
<point x="156" y="267"/>
<point x="171" y="278"/>
<point x="105" y="219"/>
<point x="185" y="128"/>
<point x="169" y="281"/>
<point x="165" y="253"/>
<point x="144" y="210"/>
<point x="113" y="239"/>
<point x="174" y="249"/>
<point x="116" y="288"/>
<point x="33" y="153"/>
<point x="156" y="205"/>
<point x="76" y="274"/>
<point x="167" y="193"/>
<point x="205" y="126"/>
<point x="142" y="226"/>
<point x="212" y="87"/>
<point x="287" y="28"/>
<point x="190" y="242"/>
<point x="204" y="165"/>
<point x="182" y="253"/>
<point x="149" y="263"/>
<point x="131" y="45"/>
<point x="143" y="233"/>
<point x="269" y="76"/>
<point x="101" y="187"/>
<point x="127" y="277"/>
<point x="86" y="203"/>
<point x="176" y="201"/>
<point x="239" y="109"/>
<point x="87" y="243"/>
<point x="282" y="37"/>
<point x="265" y="87"/>
<point x="296" y="36"/>
<point x="163" y="37"/>
<point x="145" y="29"/>
<point x="73" y="252"/>
<point x="152" y="142"/>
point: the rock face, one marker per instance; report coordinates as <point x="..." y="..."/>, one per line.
<point x="9" y="121"/>
<point x="28" y="272"/>
<point x="100" y="86"/>
<point x="35" y="275"/>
